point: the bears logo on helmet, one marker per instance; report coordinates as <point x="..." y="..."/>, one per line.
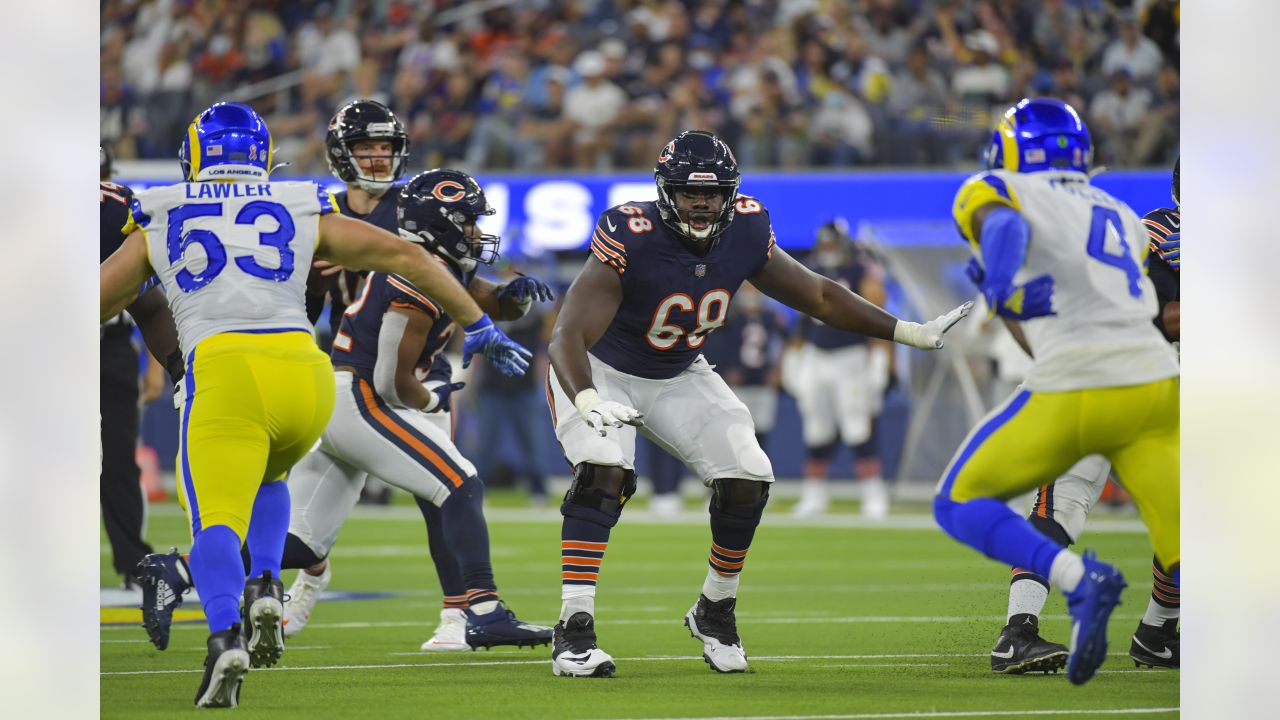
<point x="436" y="207"/>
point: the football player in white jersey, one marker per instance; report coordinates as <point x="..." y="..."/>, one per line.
<point x="232" y="250"/>
<point x="1063" y="261"/>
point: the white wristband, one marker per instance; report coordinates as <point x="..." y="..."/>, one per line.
<point x="905" y="332"/>
<point x="586" y="400"/>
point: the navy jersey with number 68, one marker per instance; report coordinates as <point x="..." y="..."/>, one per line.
<point x="671" y="298"/>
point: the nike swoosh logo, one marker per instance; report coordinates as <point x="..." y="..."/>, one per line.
<point x="1164" y="655"/>
<point x="609" y="222"/>
<point x="1003" y="655"/>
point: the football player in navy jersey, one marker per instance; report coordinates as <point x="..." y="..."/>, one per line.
<point x="388" y="424"/>
<point x="625" y="356"/>
<point x="840" y="389"/>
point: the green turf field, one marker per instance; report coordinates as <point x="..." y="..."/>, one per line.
<point x="842" y="622"/>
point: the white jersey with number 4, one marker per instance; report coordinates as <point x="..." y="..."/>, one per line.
<point x="1094" y="247"/>
<point x="232" y="256"/>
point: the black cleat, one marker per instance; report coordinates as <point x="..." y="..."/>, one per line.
<point x="715" y="624"/>
<point x="1156" y="646"/>
<point x="262" y="610"/>
<point x="574" y="652"/>
<point x="502" y="627"/>
<point x="224" y="668"/>
<point x="1020" y="649"/>
<point x="164" y="579"/>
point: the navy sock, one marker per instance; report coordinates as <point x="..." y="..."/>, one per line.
<point x="268" y="527"/>
<point x="991" y="528"/>
<point x="467" y="535"/>
<point x="218" y="573"/>
<point x="451" y="582"/>
<point x="298" y="555"/>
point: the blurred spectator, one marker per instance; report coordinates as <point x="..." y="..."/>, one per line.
<point x="981" y="80"/>
<point x="592" y="107"/>
<point x="1117" y="112"/>
<point x="840" y="132"/>
<point x="1132" y="51"/>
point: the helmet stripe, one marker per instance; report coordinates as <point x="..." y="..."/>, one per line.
<point x="193" y="149"/>
<point x="1009" y="143"/>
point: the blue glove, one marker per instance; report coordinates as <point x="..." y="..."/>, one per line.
<point x="526" y="289"/>
<point x="1022" y="302"/>
<point x="507" y="355"/>
<point x="440" y="392"/>
<point x="1171" y="250"/>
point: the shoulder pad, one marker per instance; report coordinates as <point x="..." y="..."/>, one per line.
<point x="979" y="191"/>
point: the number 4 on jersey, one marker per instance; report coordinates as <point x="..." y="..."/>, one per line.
<point x="1105" y="219"/>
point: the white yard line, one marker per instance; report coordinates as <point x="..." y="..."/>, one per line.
<point x="937" y="714"/>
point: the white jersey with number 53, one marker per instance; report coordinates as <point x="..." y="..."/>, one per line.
<point x="232" y="256"/>
<point x="1094" y="247"/>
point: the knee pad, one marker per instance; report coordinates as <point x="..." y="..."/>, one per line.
<point x="599" y="493"/>
<point x="738" y="502"/>
<point x="1051" y="529"/>
<point x="821" y="453"/>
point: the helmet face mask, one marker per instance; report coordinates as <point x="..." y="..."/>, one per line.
<point x="365" y="122"/>
<point x="440" y="209"/>
<point x="228" y="141"/>
<point x="691" y="169"/>
<point x="1038" y="135"/>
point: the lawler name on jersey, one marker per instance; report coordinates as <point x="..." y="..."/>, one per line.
<point x="356" y="343"/>
<point x="671" y="298"/>
<point x="232" y="256"/>
<point x="1094" y="247"/>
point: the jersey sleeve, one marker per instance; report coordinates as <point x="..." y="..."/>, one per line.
<point x="1160" y="225"/>
<point x="404" y="295"/>
<point x="114" y="217"/>
<point x="752" y="211"/>
<point x="328" y="203"/>
<point x="609" y="237"/>
<point x="977" y="192"/>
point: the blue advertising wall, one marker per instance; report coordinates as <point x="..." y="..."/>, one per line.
<point x="540" y="214"/>
<point x="537" y="214"/>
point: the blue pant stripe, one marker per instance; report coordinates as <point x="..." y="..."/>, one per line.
<point x="985" y="431"/>
<point x="188" y="483"/>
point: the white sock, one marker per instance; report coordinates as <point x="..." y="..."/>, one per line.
<point x="1067" y="571"/>
<point x="576" y="599"/>
<point x="718" y="587"/>
<point x="1026" y="597"/>
<point x="484" y="608"/>
<point x="1158" y="614"/>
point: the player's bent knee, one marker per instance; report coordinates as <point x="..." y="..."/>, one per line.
<point x="599" y="493"/>
<point x="1054" y="530"/>
<point x="821" y="452"/>
<point x="298" y="554"/>
<point x="737" y="501"/>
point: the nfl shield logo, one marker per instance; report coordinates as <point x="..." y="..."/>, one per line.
<point x="699" y="270"/>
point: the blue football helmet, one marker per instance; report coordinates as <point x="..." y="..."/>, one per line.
<point x="228" y="141"/>
<point x="1040" y="134"/>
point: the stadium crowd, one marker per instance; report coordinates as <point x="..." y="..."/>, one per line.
<point x="597" y="84"/>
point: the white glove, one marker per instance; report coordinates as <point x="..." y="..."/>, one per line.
<point x="929" y="335"/>
<point x="600" y="413"/>
<point x="179" y="393"/>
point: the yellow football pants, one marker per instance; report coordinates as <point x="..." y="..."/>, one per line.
<point x="1035" y="437"/>
<point x="255" y="405"/>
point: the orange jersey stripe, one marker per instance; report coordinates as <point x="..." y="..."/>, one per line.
<point x="580" y="545"/>
<point x="551" y="400"/>
<point x="600" y="233"/>
<point x="579" y="576"/>
<point x="729" y="553"/>
<point x="570" y="560"/>
<point x="595" y="242"/>
<point x="401" y="433"/>
<point x="600" y="256"/>
<point x="1153" y="225"/>
<point x="406" y="288"/>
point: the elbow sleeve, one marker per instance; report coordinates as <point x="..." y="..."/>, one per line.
<point x="1005" y="235"/>
<point x="384" y="369"/>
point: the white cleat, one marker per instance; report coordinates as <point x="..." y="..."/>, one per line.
<point x="304" y="593"/>
<point x="875" y="499"/>
<point x="574" y="652"/>
<point x="813" y="499"/>
<point x="667" y="505"/>
<point x="715" y="625"/>
<point x="450" y="634"/>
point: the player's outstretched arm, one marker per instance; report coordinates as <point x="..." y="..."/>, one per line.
<point x="121" y="275"/>
<point x="509" y="301"/>
<point x="357" y="244"/>
<point x="589" y="307"/>
<point x="793" y="284"/>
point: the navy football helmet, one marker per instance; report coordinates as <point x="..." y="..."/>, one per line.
<point x="1040" y="134"/>
<point x="696" y="158"/>
<point x="436" y="206"/>
<point x="365" y="120"/>
<point x="228" y="141"/>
